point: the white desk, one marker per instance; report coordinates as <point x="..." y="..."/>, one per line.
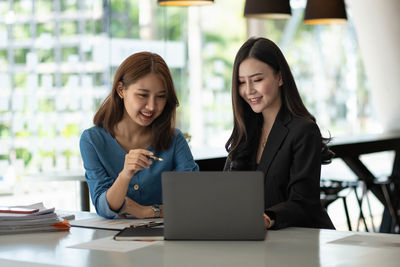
<point x="289" y="247"/>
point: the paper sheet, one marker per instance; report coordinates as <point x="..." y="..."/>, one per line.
<point x="384" y="241"/>
<point x="115" y="224"/>
<point x="109" y="244"/>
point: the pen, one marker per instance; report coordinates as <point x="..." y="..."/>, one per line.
<point x="147" y="225"/>
<point x="153" y="224"/>
<point x="154" y="157"/>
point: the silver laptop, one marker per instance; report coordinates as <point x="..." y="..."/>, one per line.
<point x="213" y="205"/>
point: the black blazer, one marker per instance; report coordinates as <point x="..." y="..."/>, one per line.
<point x="291" y="163"/>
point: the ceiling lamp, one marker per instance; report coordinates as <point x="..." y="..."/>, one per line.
<point x="271" y="9"/>
<point x="325" y="12"/>
<point x="184" y="2"/>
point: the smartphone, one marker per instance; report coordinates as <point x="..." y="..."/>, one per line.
<point x="17" y="210"/>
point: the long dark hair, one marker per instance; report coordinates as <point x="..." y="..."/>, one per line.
<point x="245" y="120"/>
<point x="131" y="70"/>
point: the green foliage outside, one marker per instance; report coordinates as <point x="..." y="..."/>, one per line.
<point x="70" y="130"/>
<point x="25" y="133"/>
<point x="23" y="153"/>
<point x="20" y="80"/>
<point x="3" y="57"/>
<point x="124" y="19"/>
<point x="68" y="154"/>
<point x="93" y="27"/>
<point x="68" y="51"/>
<point x="45" y="55"/>
<point x="46" y="105"/>
<point x="69" y="28"/>
<point x="44" y="6"/>
<point x="47" y="27"/>
<point x="4" y="130"/>
<point x="68" y="5"/>
<point x="98" y="79"/>
<point x="20" y="55"/>
<point x="21" y="31"/>
<point x="171" y="23"/>
<point x="48" y="154"/>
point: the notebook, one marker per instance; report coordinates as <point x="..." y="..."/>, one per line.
<point x="213" y="205"/>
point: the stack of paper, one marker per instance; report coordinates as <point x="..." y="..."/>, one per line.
<point x="41" y="220"/>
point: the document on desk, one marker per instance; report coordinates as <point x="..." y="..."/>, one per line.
<point x="379" y="241"/>
<point x="111" y="224"/>
<point x="29" y="219"/>
<point x="109" y="244"/>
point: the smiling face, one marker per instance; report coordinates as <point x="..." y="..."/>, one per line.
<point x="259" y="85"/>
<point x="144" y="100"/>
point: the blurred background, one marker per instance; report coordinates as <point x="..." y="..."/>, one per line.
<point x="58" y="58"/>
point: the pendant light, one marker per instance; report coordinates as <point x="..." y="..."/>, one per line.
<point x="325" y="12"/>
<point x="184" y="2"/>
<point x="272" y="9"/>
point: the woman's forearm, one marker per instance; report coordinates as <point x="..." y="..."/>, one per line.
<point x="116" y="193"/>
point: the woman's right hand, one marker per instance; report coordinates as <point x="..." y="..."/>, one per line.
<point x="268" y="223"/>
<point x="135" y="160"/>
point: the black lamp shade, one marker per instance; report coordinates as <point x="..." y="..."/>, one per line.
<point x="274" y="9"/>
<point x="184" y="2"/>
<point x="325" y="12"/>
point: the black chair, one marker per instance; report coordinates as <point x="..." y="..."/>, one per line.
<point x="390" y="187"/>
<point x="332" y="190"/>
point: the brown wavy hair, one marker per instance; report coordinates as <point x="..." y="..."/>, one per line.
<point x="264" y="50"/>
<point x="130" y="71"/>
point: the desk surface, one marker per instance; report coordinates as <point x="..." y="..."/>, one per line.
<point x="287" y="247"/>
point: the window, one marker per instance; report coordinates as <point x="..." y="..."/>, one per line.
<point x="67" y="73"/>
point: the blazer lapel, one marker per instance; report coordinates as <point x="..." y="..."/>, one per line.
<point x="278" y="133"/>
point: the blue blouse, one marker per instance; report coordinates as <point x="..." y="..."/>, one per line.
<point x="103" y="159"/>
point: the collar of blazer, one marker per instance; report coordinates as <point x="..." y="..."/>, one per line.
<point x="276" y="136"/>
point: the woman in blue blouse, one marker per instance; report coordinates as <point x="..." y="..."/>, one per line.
<point x="135" y="123"/>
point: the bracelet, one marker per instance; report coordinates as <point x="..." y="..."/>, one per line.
<point x="270" y="222"/>
<point x="157" y="211"/>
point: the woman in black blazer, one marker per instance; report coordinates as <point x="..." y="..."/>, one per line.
<point x="274" y="133"/>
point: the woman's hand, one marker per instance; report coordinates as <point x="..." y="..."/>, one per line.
<point x="268" y="223"/>
<point x="137" y="210"/>
<point x="135" y="160"/>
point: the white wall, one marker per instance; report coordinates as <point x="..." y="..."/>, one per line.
<point x="377" y="23"/>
